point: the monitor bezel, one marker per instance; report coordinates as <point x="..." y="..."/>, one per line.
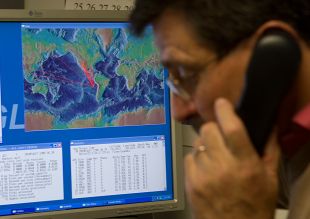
<point x="60" y="15"/>
<point x="177" y="203"/>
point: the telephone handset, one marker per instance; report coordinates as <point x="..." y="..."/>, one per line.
<point x="272" y="70"/>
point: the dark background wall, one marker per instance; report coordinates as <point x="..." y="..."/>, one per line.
<point x="11" y="4"/>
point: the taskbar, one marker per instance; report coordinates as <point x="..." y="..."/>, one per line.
<point x="60" y="207"/>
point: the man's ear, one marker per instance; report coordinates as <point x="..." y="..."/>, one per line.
<point x="273" y="24"/>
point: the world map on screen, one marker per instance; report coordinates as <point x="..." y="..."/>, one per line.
<point x="90" y="77"/>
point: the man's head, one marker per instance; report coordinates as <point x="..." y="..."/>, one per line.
<point x="206" y="44"/>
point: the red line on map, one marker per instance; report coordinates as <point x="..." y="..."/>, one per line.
<point x="46" y="75"/>
<point x="88" y="74"/>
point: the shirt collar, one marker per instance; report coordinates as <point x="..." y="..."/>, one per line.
<point x="297" y="132"/>
<point x="302" y="118"/>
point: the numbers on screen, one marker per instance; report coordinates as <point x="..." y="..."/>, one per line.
<point x="109" y="5"/>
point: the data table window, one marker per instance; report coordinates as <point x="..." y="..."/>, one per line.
<point x="118" y="166"/>
<point x="31" y="173"/>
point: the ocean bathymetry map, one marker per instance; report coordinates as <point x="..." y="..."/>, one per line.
<point x="90" y="77"/>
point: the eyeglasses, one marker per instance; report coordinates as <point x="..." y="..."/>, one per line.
<point x="176" y="87"/>
<point x="184" y="84"/>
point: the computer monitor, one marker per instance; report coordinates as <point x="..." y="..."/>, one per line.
<point x="86" y="125"/>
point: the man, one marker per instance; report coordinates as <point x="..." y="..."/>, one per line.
<point x="206" y="45"/>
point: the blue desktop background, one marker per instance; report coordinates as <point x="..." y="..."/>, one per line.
<point x="14" y="133"/>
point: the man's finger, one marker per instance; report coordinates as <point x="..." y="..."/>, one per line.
<point x="211" y="137"/>
<point x="272" y="154"/>
<point x="234" y="132"/>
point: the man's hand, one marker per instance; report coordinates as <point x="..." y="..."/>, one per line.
<point x="229" y="180"/>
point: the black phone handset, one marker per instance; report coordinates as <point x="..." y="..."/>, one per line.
<point x="270" y="74"/>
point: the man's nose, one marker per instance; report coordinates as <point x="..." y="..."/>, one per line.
<point x="182" y="109"/>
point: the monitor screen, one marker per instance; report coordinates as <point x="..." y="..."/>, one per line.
<point x="86" y="121"/>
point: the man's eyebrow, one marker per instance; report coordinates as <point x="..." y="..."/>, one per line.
<point x="175" y="63"/>
<point x="173" y="56"/>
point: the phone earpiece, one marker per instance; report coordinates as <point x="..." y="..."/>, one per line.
<point x="271" y="72"/>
